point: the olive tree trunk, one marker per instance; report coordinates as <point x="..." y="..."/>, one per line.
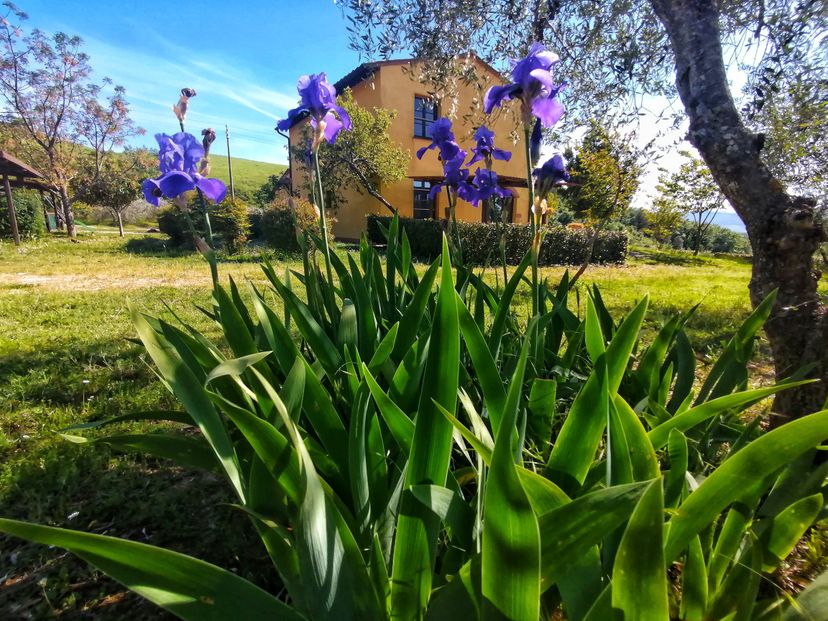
<point x="781" y="227"/>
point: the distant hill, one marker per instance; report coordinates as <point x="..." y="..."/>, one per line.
<point x="248" y="175"/>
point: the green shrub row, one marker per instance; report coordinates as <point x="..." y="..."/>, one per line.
<point x="29" y="212"/>
<point x="234" y="223"/>
<point x="561" y="245"/>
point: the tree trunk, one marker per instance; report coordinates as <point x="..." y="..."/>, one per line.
<point x="120" y="223"/>
<point x="68" y="216"/>
<point x="781" y="227"/>
<point x="58" y="215"/>
<point x="588" y="258"/>
<point x="45" y="212"/>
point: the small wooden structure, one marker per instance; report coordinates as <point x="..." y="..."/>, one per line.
<point x="24" y="177"/>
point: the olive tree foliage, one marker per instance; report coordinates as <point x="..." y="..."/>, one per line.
<point x="616" y="51"/>
<point x="362" y="159"/>
<point x="794" y="124"/>
<point x="53" y="107"/>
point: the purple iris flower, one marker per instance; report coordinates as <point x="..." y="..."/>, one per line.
<point x="319" y="102"/>
<point x="552" y="173"/>
<point x="454" y="176"/>
<point x="484" y="186"/>
<point x="485" y="148"/>
<point x="533" y="85"/>
<point x="178" y="158"/>
<point x="442" y="138"/>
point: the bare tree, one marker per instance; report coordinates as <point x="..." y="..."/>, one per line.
<point x="106" y="126"/>
<point x="45" y="84"/>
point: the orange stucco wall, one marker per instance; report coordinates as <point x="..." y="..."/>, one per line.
<point x="391" y="87"/>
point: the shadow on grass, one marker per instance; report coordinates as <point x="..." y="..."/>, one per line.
<point x="253" y="252"/>
<point x="651" y="256"/>
<point x="130" y="496"/>
<point x="45" y="479"/>
<point x="658" y="257"/>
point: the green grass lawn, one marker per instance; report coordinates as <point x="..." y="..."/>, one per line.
<point x="66" y="357"/>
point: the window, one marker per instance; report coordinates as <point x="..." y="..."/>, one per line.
<point x="425" y="113"/>
<point x="423" y="205"/>
<point x="500" y="207"/>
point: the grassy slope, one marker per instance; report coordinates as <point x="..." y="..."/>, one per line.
<point x="248" y="175"/>
<point x="63" y="322"/>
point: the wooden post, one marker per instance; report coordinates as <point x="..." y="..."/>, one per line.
<point x="10" y="207"/>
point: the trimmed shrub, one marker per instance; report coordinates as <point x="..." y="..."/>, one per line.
<point x="231" y="223"/>
<point x="280" y="222"/>
<point x="29" y="211"/>
<point x="561" y="245"/>
<point x="229" y="220"/>
<point x="173" y="223"/>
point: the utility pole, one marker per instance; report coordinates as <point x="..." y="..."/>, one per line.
<point x="229" y="163"/>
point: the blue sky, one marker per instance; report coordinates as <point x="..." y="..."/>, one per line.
<point x="243" y="60"/>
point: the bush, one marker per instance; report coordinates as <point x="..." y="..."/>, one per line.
<point x="280" y="222"/>
<point x="172" y="223"/>
<point x="29" y="212"/>
<point x="229" y="220"/>
<point x="231" y="223"/>
<point x="561" y="246"/>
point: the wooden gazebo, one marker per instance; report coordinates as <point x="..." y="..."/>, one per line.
<point x="16" y="174"/>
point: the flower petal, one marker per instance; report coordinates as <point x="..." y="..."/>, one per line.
<point x="175" y="183"/>
<point x="435" y="190"/>
<point x="548" y="109"/>
<point x="500" y="154"/>
<point x="344" y="117"/>
<point x="421" y="152"/>
<point x="496" y="95"/>
<point x="152" y="192"/>
<point x="285" y="124"/>
<point x="544" y="77"/>
<point x="214" y="189"/>
<point x="332" y="127"/>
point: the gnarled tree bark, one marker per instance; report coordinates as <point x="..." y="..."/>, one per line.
<point x="780" y="226"/>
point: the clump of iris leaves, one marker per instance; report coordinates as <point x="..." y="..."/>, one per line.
<point x="410" y="444"/>
<point x="421" y="451"/>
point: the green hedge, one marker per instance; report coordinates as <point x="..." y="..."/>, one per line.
<point x="561" y="246"/>
<point x="29" y="212"/>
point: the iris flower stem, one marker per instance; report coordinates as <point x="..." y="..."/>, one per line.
<point x="454" y="232"/>
<point x="210" y="255"/>
<point x="323" y="221"/>
<point x="208" y="229"/>
<point x="500" y="224"/>
<point x="527" y="133"/>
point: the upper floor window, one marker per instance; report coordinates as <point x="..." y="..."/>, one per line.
<point x="425" y="113"/>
